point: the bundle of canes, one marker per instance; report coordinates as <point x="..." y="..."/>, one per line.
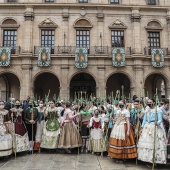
<point x="154" y="148"/>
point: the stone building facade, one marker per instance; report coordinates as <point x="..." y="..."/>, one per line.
<point x="137" y="25"/>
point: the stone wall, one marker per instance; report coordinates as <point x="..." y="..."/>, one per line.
<point x="131" y="15"/>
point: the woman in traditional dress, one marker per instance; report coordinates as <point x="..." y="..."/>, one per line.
<point x="51" y="129"/>
<point x="168" y="145"/>
<point x="152" y="123"/>
<point x="97" y="141"/>
<point x="40" y="124"/>
<point x="122" y="144"/>
<point x="20" y="136"/>
<point x="31" y="118"/>
<point x="69" y="136"/>
<point x="85" y="118"/>
<point x="5" y="136"/>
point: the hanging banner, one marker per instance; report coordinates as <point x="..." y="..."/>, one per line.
<point x="118" y="57"/>
<point x="44" y="57"/>
<point x="157" y="57"/>
<point x="5" y="56"/>
<point x="81" y="57"/>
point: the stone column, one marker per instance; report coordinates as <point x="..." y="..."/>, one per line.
<point x="167" y="92"/>
<point x="26" y="86"/>
<point x="64" y="86"/>
<point x="135" y="17"/>
<point x="28" y="30"/>
<point x="101" y="90"/>
<point x="139" y="80"/>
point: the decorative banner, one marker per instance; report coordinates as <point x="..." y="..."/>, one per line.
<point x="44" y="56"/>
<point x="118" y="57"/>
<point x="157" y="57"/>
<point x="81" y="57"/>
<point x="5" y="56"/>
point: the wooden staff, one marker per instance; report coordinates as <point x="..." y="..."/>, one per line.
<point x="13" y="132"/>
<point x="136" y="124"/>
<point x="78" y="126"/>
<point x="32" y="118"/>
<point x="153" y="165"/>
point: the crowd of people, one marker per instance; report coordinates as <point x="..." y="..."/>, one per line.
<point x="120" y="128"/>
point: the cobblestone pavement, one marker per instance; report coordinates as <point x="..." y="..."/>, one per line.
<point x="53" y="161"/>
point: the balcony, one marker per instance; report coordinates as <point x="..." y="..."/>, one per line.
<point x="147" y="51"/>
<point x="15" y="50"/>
<point x="94" y="50"/>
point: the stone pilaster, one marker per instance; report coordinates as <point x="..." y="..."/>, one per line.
<point x="65" y="30"/>
<point x="135" y="17"/>
<point x="28" y="30"/>
<point x="168" y="25"/>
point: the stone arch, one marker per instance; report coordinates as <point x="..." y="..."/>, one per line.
<point x="154" y="25"/>
<point x="82" y="23"/>
<point x="88" y="72"/>
<point x="82" y="82"/>
<point x="114" y="82"/>
<point x="9" y="22"/>
<point x="9" y="85"/>
<point x="155" y="80"/>
<point x="122" y="72"/>
<point x="45" y="81"/>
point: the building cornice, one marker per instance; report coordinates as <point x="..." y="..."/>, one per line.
<point x="77" y="5"/>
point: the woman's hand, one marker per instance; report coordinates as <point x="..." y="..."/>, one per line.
<point x="127" y="134"/>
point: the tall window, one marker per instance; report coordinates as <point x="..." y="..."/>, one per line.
<point x="117" y="38"/>
<point x="83" y="38"/>
<point x="153" y="40"/>
<point x="151" y="2"/>
<point x="83" y="1"/>
<point x="114" y="1"/>
<point x="9" y="39"/>
<point x="47" y="39"/>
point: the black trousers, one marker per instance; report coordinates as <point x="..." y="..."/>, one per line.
<point x="29" y="129"/>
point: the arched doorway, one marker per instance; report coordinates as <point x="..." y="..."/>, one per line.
<point x="153" y="82"/>
<point x="9" y="86"/>
<point x="82" y="83"/>
<point x="116" y="82"/>
<point x="45" y="82"/>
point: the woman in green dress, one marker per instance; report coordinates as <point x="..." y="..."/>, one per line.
<point x="51" y="128"/>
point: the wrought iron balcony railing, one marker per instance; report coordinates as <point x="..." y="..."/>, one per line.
<point x="94" y="50"/>
<point x="14" y="50"/>
<point x="147" y="51"/>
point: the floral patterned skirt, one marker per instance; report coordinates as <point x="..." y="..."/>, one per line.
<point x="168" y="146"/>
<point x="49" y="139"/>
<point x="146" y="144"/>
<point x="21" y="143"/>
<point x="5" y="145"/>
